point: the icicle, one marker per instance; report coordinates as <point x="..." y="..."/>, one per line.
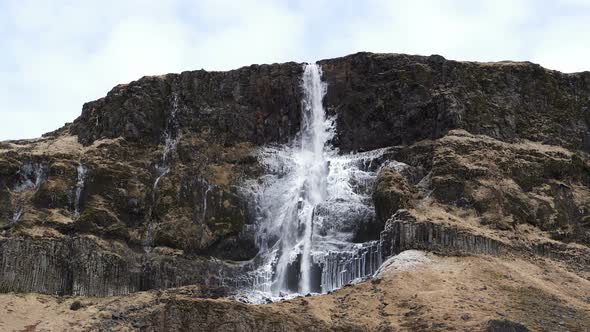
<point x="306" y="205"/>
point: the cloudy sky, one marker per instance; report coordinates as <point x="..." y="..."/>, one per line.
<point x="57" y="54"/>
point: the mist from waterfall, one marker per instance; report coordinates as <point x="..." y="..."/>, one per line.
<point x="309" y="204"/>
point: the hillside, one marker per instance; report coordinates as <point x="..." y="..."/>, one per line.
<point x="471" y="181"/>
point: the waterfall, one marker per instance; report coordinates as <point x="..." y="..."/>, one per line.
<point x="308" y="205"/>
<point x="312" y="167"/>
<point x="16" y="215"/>
<point x="170" y="142"/>
<point x="30" y="176"/>
<point x="81" y="170"/>
<point x="308" y="187"/>
<point x="204" y="215"/>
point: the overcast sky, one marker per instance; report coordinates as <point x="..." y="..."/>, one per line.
<point x="57" y="54"/>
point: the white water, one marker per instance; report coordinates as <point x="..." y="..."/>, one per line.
<point x="16" y="215"/>
<point x="309" y="204"/>
<point x="309" y="185"/>
<point x="170" y="142"/>
<point x="81" y="170"/>
<point x="204" y="215"/>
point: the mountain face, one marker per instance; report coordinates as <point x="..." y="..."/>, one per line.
<point x="486" y="165"/>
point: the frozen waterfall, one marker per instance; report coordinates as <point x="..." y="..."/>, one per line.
<point x="310" y="205"/>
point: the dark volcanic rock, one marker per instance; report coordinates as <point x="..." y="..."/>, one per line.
<point x="166" y="155"/>
<point x="394" y="99"/>
<point x="403" y="232"/>
<point x="206" y="315"/>
<point x="380" y="99"/>
<point x="392" y="192"/>
<point x="76" y="305"/>
<point x="505" y="326"/>
<point x="510" y="184"/>
<point x="259" y="104"/>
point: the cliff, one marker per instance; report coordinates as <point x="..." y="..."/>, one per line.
<point x="145" y="190"/>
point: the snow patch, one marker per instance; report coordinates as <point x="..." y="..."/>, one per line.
<point x="404" y="261"/>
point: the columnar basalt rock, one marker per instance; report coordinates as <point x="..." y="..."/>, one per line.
<point x="403" y="232"/>
<point x="88" y="266"/>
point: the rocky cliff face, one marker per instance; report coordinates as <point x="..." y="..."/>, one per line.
<point x="390" y="99"/>
<point x="507" y="185"/>
<point x="257" y="104"/>
<point x="144" y="191"/>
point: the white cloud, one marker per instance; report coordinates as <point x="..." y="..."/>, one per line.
<point x="72" y="52"/>
<point x="56" y="55"/>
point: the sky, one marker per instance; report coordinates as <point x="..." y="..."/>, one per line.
<point x="57" y="54"/>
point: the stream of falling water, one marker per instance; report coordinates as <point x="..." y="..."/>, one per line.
<point x="170" y="142"/>
<point x="309" y="206"/>
<point x="30" y="177"/>
<point x="81" y="171"/>
<point x="171" y="137"/>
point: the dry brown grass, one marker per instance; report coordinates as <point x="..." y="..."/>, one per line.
<point x="445" y="293"/>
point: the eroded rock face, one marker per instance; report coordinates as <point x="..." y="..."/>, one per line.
<point x="185" y="314"/>
<point x="509" y="184"/>
<point x="484" y="196"/>
<point x="57" y="195"/>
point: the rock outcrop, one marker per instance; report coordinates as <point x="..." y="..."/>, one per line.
<point x="88" y="266"/>
<point x="104" y="220"/>
<point x="392" y="192"/>
<point x="507" y="185"/>
<point x="403" y="232"/>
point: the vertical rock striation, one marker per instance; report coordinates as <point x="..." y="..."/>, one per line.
<point x="83" y="266"/>
<point x="403" y="232"/>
